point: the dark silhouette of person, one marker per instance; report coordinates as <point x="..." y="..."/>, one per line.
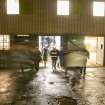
<point x="54" y="56"/>
<point x="38" y="58"/>
<point x="61" y="56"/>
<point x="86" y="53"/>
<point x="45" y="52"/>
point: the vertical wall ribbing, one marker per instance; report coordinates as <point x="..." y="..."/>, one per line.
<point x="43" y="19"/>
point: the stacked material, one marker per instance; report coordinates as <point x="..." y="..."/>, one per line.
<point x="3" y="60"/>
<point x="21" y="58"/>
<point x="75" y="59"/>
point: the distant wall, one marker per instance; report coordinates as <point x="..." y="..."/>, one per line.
<point x="39" y="16"/>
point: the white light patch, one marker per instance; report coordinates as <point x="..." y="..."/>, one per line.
<point x="62" y="7"/>
<point x="12" y="6"/>
<point x="4" y="42"/>
<point x="98" y="8"/>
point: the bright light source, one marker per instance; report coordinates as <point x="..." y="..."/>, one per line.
<point x="91" y="42"/>
<point x="63" y="7"/>
<point x="98" y="8"/>
<point x="22" y="35"/>
<point x="58" y="42"/>
<point x="4" y="42"/>
<point x="12" y="6"/>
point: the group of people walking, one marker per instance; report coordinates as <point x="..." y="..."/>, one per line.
<point x="56" y="57"/>
<point x="54" y="53"/>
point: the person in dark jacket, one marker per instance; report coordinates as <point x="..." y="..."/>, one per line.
<point x="54" y="53"/>
<point x="45" y="52"/>
<point x="83" y="70"/>
<point x="38" y="58"/>
<point x="61" y="56"/>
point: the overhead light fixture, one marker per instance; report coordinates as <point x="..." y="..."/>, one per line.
<point x="22" y="35"/>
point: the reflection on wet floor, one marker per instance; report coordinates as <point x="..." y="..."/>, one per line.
<point x="7" y="86"/>
<point x="48" y="88"/>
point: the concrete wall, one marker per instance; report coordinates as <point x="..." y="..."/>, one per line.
<point x="100" y="51"/>
<point x="41" y="18"/>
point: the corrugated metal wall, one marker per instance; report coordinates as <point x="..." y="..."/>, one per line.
<point x="43" y="19"/>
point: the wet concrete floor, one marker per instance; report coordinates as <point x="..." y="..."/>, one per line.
<point x="48" y="88"/>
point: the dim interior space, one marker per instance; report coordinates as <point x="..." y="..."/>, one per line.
<point x="95" y="46"/>
<point x="25" y="82"/>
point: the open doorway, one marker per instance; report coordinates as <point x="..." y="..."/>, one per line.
<point x="91" y="46"/>
<point x="95" y="46"/>
<point x="49" y="42"/>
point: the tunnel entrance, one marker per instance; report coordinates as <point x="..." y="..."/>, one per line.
<point x="48" y="42"/>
